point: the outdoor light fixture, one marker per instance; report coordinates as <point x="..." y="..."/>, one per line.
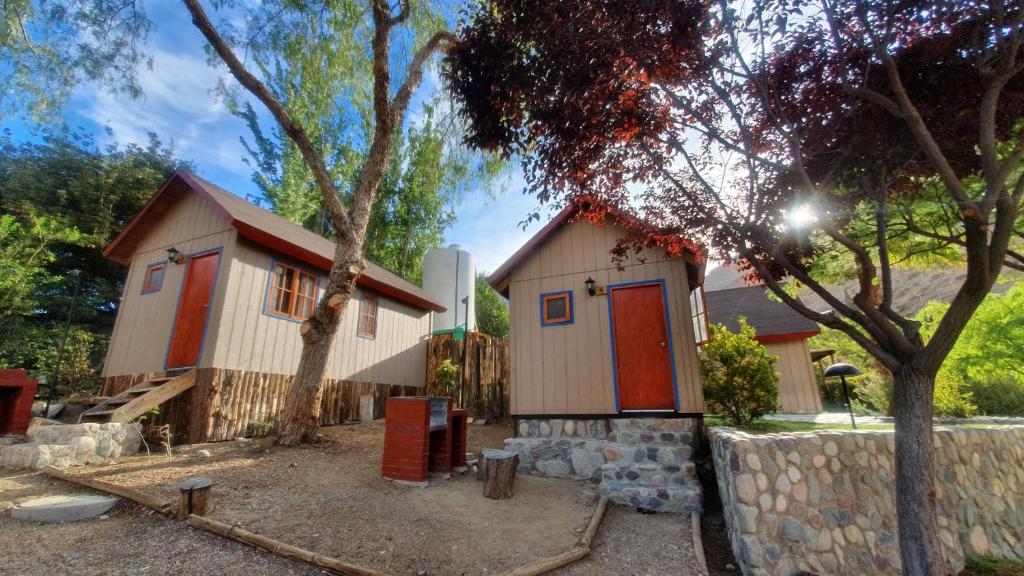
<point x="173" y="256"/>
<point x="844" y="370"/>
<point x="591" y="286"/>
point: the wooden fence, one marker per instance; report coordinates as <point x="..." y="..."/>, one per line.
<point x="483" y="386"/>
<point x="225" y="404"/>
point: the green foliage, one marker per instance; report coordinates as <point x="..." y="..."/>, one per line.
<point x="738" y="375"/>
<point x="27" y="241"/>
<point x="34" y="347"/>
<point x="61" y="201"/>
<point x="985" y="364"/>
<point x="314" y="58"/>
<point x="953" y="399"/>
<point x="50" y="46"/>
<point x="447" y="378"/>
<point x="992" y="566"/>
<point x="492" y="316"/>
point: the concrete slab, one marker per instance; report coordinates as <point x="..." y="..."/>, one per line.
<point x="65" y="508"/>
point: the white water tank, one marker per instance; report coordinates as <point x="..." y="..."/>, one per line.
<point x="449" y="275"/>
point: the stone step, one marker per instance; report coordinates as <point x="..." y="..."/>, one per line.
<point x="623" y="455"/>
<point x="661" y="499"/>
<point x="652" y="424"/>
<point x="648" y="474"/>
<point x="651" y="438"/>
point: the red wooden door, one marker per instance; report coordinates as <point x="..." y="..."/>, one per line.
<point x="642" y="357"/>
<point x="193" y="310"/>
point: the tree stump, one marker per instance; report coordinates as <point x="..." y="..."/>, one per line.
<point x="499" y="467"/>
<point x="194" y="496"/>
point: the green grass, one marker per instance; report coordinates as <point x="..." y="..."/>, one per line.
<point x="989" y="566"/>
<point x="762" y="426"/>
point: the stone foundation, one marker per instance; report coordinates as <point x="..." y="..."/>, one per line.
<point x="640" y="462"/>
<point x="824" y="502"/>
<point x="65" y="445"/>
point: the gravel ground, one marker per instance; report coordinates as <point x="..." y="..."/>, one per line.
<point x="330" y="498"/>
<point x="633" y="544"/>
<point x="133" y="541"/>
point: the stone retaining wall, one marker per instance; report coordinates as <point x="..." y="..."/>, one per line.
<point x="64" y="445"/>
<point x="824" y="502"/>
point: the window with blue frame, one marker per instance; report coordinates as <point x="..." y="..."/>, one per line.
<point x="154" y="279"/>
<point x="556" y="308"/>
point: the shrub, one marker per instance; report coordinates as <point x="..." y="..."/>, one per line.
<point x="447" y="378"/>
<point x="873" y="391"/>
<point x="952" y="398"/>
<point x="739" y="375"/>
<point x="998" y="396"/>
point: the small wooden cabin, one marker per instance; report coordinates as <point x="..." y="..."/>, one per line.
<point x="782" y="331"/>
<point x="230" y="306"/>
<point x="628" y="348"/>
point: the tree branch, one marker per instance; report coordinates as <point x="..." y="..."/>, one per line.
<point x="339" y="215"/>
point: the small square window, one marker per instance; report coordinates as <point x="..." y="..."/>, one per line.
<point x="154" y="279"/>
<point x="556" y="308"/>
<point x="368" y="316"/>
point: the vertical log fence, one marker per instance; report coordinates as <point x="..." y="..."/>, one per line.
<point x="483" y="382"/>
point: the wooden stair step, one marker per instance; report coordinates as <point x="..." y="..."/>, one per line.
<point x="100" y="413"/>
<point x="118" y="401"/>
<point x="142" y="390"/>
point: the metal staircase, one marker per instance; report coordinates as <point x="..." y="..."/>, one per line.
<point x="139" y="399"/>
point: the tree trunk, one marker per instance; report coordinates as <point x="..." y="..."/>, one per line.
<point x="301" y="413"/>
<point x="920" y="551"/>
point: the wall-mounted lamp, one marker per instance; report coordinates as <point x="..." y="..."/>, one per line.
<point x="173" y="256"/>
<point x="591" y="286"/>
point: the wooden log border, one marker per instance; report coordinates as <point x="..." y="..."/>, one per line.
<point x="137" y="496"/>
<point x="578" y="552"/>
<point x="278" y="548"/>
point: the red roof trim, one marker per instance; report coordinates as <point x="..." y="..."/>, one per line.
<point x="772" y="338"/>
<point x="268" y="240"/>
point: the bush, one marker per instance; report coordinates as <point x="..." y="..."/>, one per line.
<point x="998" y="396"/>
<point x="447" y="378"/>
<point x="952" y="398"/>
<point x="739" y="375"/>
<point x="873" y="391"/>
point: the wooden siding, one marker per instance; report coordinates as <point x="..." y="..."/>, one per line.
<point x="483" y="386"/>
<point x="798" y="388"/>
<point x="249" y="339"/>
<point x="142" y="330"/>
<point x="226" y="404"/>
<point x="568" y="369"/>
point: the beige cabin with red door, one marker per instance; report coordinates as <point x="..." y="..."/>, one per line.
<point x="628" y="349"/>
<point x="220" y="285"/>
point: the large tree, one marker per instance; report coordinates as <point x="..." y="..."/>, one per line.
<point x="348" y="212"/>
<point x="739" y="121"/>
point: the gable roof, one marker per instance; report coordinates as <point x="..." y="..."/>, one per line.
<point x="499" y="279"/>
<point x="263" y="228"/>
<point x="773" y="320"/>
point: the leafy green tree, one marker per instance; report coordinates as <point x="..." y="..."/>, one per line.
<point x="48" y="47"/>
<point x="61" y="201"/>
<point x="492" y="316"/>
<point x="738" y="374"/>
<point x="316" y="65"/>
<point x="26" y="248"/>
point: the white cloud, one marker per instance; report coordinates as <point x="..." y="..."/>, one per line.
<point x="177" y="104"/>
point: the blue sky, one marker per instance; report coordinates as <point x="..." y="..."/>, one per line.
<point x="178" y="104"/>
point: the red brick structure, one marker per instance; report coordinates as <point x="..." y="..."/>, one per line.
<point x="17" y="391"/>
<point x="415" y="444"/>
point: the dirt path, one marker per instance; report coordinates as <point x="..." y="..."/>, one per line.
<point x="330" y="498"/>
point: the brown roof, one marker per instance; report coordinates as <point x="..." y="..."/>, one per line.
<point x="499" y="278"/>
<point x="773" y="320"/>
<point x="264" y="228"/>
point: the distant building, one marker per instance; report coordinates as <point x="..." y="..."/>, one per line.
<point x="782" y="330"/>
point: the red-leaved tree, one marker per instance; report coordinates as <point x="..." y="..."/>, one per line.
<point x="897" y="123"/>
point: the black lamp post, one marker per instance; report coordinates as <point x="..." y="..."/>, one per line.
<point x="844" y="370"/>
<point x="77" y="274"/>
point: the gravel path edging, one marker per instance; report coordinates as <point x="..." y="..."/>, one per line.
<point x="698" y="542"/>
